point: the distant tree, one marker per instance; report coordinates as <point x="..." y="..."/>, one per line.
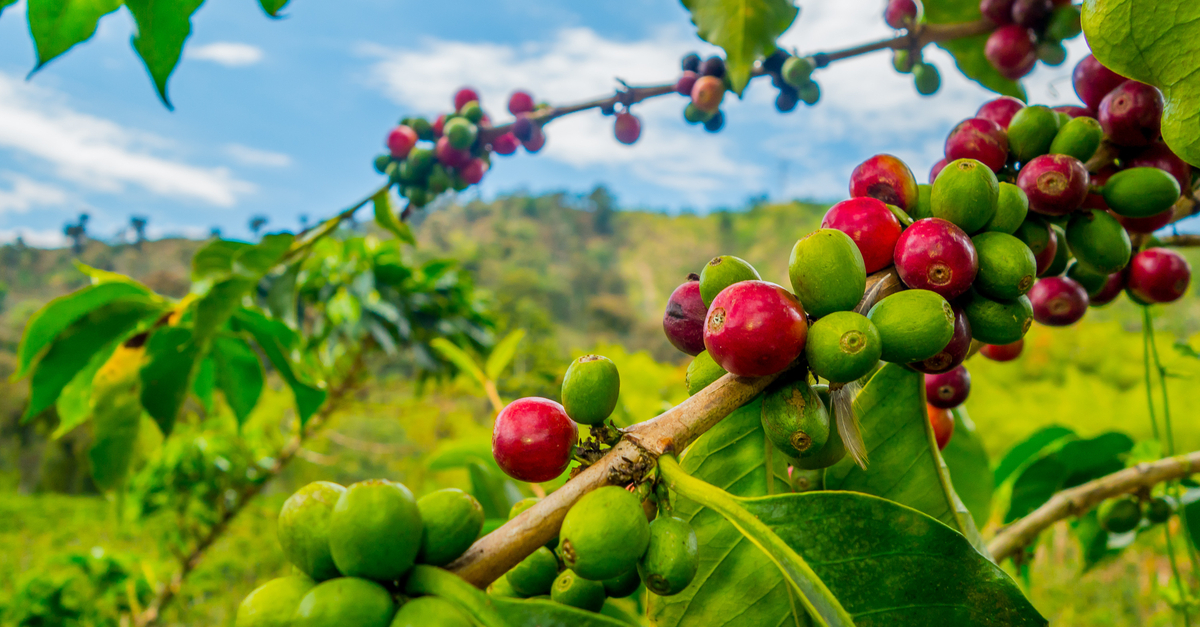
<point x="304" y="221"/>
<point x="78" y="233"/>
<point x="604" y="204"/>
<point x="215" y="232"/>
<point x="3" y="294"/>
<point x="257" y="223"/>
<point x="138" y="223"/>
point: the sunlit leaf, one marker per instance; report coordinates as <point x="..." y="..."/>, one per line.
<point x="968" y="463"/>
<point x="57" y="25"/>
<point x="458" y="357"/>
<point x="215" y="259"/>
<point x="1020" y="454"/>
<point x="494" y="491"/>
<point x="239" y="375"/>
<point x="74" y="404"/>
<point x="746" y="29"/>
<point x="502" y="354"/>
<point x="214" y="308"/>
<point x="205" y="383"/>
<point x="162" y="28"/>
<point x="256" y="261"/>
<point x="171" y="361"/>
<point x="276" y="341"/>
<point x="547" y="613"/>
<point x="1074" y="463"/>
<point x="117" y="414"/>
<point x="386" y="218"/>
<point x="281" y="295"/>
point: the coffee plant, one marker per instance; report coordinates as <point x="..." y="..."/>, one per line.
<point x="822" y="471"/>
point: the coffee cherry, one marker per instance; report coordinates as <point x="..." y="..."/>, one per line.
<point x="1158" y="510"/>
<point x="450" y="156"/>
<point x="1093" y="81"/>
<point x="953" y="354"/>
<point x="523" y="128"/>
<point x="430" y="611"/>
<point x="926" y="78"/>
<point x="1006" y="266"/>
<point x="937" y="168"/>
<point x="713" y="66"/>
<point x="1079" y="138"/>
<point x="702" y="372"/>
<point x="1113" y="286"/>
<point x="690" y="62"/>
<point x="900" y="13"/>
<point x="943" y="425"/>
<point x="345" y="601"/>
<point x="904" y="60"/>
<point x="998" y="11"/>
<point x="505" y="144"/>
<point x="966" y="193"/>
<point x="375" y="531"/>
<point x="1141" y="192"/>
<point x="1012" y="207"/>
<point x="1012" y="50"/>
<point x="1159" y="155"/>
<point x="707" y="93"/>
<point x="1040" y="239"/>
<point x="715" y="123"/>
<point x="872" y="226"/>
<point x="400" y="141"/>
<point x="949" y="389"/>
<point x="450" y="521"/>
<point x="474" y="171"/>
<point x="575" y="591"/>
<point x="1146" y="225"/>
<point x="796" y="71"/>
<point x="273" y="603"/>
<point x="1074" y="111"/>
<point x="1064" y="23"/>
<point x="755" y="329"/>
<point x="463" y="96"/>
<point x="1092" y="280"/>
<point x="683" y="321"/>
<point x="794" y="419"/>
<point x="590" y="389"/>
<point x="686" y="82"/>
<point x="1158" y="275"/>
<point x="1058" y="301"/>
<point x="460" y="132"/>
<point x="843" y="346"/>
<point x="604" y="534"/>
<point x="1131" y="114"/>
<point x="997" y="321"/>
<point x="1062" y="254"/>
<point x="520" y="102"/>
<point x="1120" y="515"/>
<point x="1001" y="111"/>
<point x="809" y="93"/>
<point x="1052" y="53"/>
<point x="914" y="325"/>
<point x="672" y="558"/>
<point x="536" y="140"/>
<point x="1003" y="352"/>
<point x="1032" y="14"/>
<point x="304" y="528"/>
<point x="1031" y="132"/>
<point x="693" y="115"/>
<point x="979" y="139"/>
<point x="773" y="64"/>
<point x="1055" y="184"/>
<point x="532" y="439"/>
<point x="887" y="178"/>
<point x="934" y="254"/>
<point x="787" y="100"/>
<point x="627" y="128"/>
<point x="827" y="273"/>
<point x="1099" y="241"/>
<point x="535" y="574"/>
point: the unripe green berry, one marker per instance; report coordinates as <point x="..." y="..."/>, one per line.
<point x="590" y="389"/>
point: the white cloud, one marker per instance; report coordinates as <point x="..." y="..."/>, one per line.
<point x="246" y="155"/>
<point x="101" y="154"/>
<point x="39" y="238"/>
<point x="227" y="53"/>
<point x="26" y="193"/>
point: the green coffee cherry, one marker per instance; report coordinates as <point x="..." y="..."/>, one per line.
<point x="797" y="70"/>
<point x="834" y="449"/>
<point x="702" y="372"/>
<point x="794" y="420"/>
<point x="422" y="127"/>
<point x="472" y="111"/>
<point x="671" y="561"/>
<point x="843" y="346"/>
<point x="1079" y="138"/>
<point x="461" y="133"/>
<point x="926" y="78"/>
<point x="571" y="589"/>
<point x="590" y="389"/>
<point x="1091" y="280"/>
<point x="1031" y="132"/>
<point x="914" y="325"/>
<point x="965" y="193"/>
<point x="1012" y="205"/>
<point x="1064" y="23"/>
<point x="1158" y="511"/>
<point x="522" y="505"/>
<point x="345" y="601"/>
<point x="382" y="162"/>
<point x="722" y="272"/>
<point x="1141" y="192"/>
<point x="535" y="574"/>
<point x="375" y="531"/>
<point x="997" y="321"/>
<point x="304" y="528"/>
<point x="1120" y="515"/>
<point x="1051" y="53"/>
<point x="451" y="521"/>
<point x="604" y="534"/>
<point x="430" y="612"/>
<point x="904" y="61"/>
<point x="809" y="92"/>
<point x="624" y="585"/>
<point x="1099" y="241"/>
<point x="924" y="208"/>
<point x="827" y="272"/>
<point x="273" y="603"/>
<point x="502" y="588"/>
<point x="1007" y="267"/>
<point x="421" y="161"/>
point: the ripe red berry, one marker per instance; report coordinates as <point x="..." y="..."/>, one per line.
<point x="1032" y="14"/>
<point x="400" y="141"/>
<point x="1012" y="50"/>
<point x="438" y="125"/>
<point x="998" y="11"/>
<point x="1093" y="81"/>
<point x="1158" y="275"/>
<point x="948" y="389"/>
<point x="505" y="144"/>
<point x="1046" y="257"/>
<point x="473" y="172"/>
<point x="1003" y="352"/>
<point x="1000" y="110"/>
<point x="979" y="139"/>
<point x="627" y="128"/>
<point x="900" y="13"/>
<point x="887" y="178"/>
<point x="463" y="96"/>
<point x="536" y="140"/>
<point x="1058" y="301"/>
<point x="937" y="169"/>
<point x="872" y="226"/>
<point x="755" y="329"/>
<point x="707" y="93"/>
<point x="450" y="156"/>
<point x="1131" y="114"/>
<point x="943" y="425"/>
<point x="954" y="353"/>
<point x="1055" y="184"/>
<point x="520" y="102"/>
<point x="532" y="439"/>
<point x="523" y="128"/>
<point x="1075" y="111"/>
<point x="684" y="320"/>
<point x="934" y="254"/>
<point x="1159" y="155"/>
<point x="1145" y="225"/>
<point x="686" y="82"/>
<point x="1113" y="287"/>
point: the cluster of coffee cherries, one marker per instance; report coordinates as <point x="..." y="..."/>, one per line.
<point x="792" y="76"/>
<point x="903" y="14"/>
<point x="454" y="151"/>
<point x="1028" y="31"/>
<point x="354" y="547"/>
<point x="535" y="439"/>
<point x="1126" y="513"/>
<point x="704" y="82"/>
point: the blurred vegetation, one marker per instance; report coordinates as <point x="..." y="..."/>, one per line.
<point x="578" y="276"/>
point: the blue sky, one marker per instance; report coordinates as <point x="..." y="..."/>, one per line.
<point x="282" y="117"/>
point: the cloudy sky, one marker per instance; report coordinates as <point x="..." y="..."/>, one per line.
<point x="282" y="117"/>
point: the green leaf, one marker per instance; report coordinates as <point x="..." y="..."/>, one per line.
<point x="968" y="463"/>
<point x="814" y="595"/>
<point x="1156" y="42"/>
<point x="281" y="295"/>
<point x="950" y="11"/>
<point x="205" y="383"/>
<point x="905" y="465"/>
<point x="502" y="354"/>
<point x="62" y="312"/>
<point x="273" y="7"/>
<point x="162" y="27"/>
<point x="4" y="4"/>
<point x="276" y="341"/>
<point x="547" y="613"/>
<point x="494" y="491"/>
<point x="1076" y="462"/>
<point x="746" y="29"/>
<point x="171" y="360"/>
<point x="214" y="308"/>
<point x="215" y="259"/>
<point x="57" y="25"/>
<point x="458" y="357"/>
<point x="117" y="415"/>
<point x="459" y="453"/>
<point x="74" y="404"/>
<point x="732" y="456"/>
<point x="968" y="56"/>
<point x="74" y="348"/>
<point x="239" y="375"/>
<point x="435" y="581"/>
<point x="1093" y="540"/>
<point x="1020" y="454"/>
<point x="386" y="218"/>
<point x="256" y="261"/>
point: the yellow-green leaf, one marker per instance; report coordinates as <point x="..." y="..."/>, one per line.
<point x="502" y="354"/>
<point x="458" y="357"/>
<point x="386" y="218"/>
<point x="117" y="415"/>
<point x="746" y="29"/>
